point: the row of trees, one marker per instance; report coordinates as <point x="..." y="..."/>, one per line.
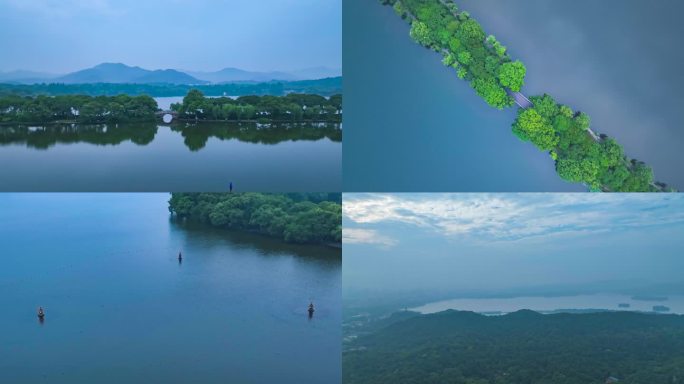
<point x="480" y="59"/>
<point x="580" y="156"/>
<point x="522" y="347"/>
<point x="292" y="107"/>
<point x="80" y="108"/>
<point x="326" y="87"/>
<point x="295" y="218"/>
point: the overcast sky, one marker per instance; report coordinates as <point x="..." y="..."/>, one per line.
<point x="500" y="242"/>
<point x="65" y="35"/>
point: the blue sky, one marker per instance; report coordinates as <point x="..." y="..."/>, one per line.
<point x="60" y="36"/>
<point x="506" y="241"/>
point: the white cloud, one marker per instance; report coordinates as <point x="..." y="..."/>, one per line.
<point x="366" y="236"/>
<point x="515" y="216"/>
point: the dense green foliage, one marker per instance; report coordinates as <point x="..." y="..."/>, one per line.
<point x="292" y="107"/>
<point x="195" y="135"/>
<point x="325" y="87"/>
<point x="580" y="156"/>
<point x="597" y="162"/>
<point x="81" y="108"/>
<point x="295" y="218"/>
<point x="461" y="40"/>
<point x="522" y="347"/>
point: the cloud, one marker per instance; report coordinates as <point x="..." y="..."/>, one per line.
<point x="516" y="216"/>
<point x="366" y="236"/>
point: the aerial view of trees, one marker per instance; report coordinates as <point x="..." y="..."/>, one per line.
<point x="581" y="156"/>
<point x="294" y="218"/>
<point x="292" y="107"/>
<point x="521" y="347"/>
<point x="78" y="108"/>
<point x="479" y="59"/>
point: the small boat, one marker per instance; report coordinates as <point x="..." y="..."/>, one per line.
<point x="41" y="314"/>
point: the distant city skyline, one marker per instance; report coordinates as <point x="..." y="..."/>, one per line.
<point x="60" y="37"/>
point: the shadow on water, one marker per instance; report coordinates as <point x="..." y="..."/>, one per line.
<point x="195" y="135"/>
<point x="44" y="137"/>
<point x="266" y="246"/>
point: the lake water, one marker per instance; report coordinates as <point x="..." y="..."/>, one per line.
<point x="412" y="125"/>
<point x="120" y="308"/>
<point x="548" y="304"/>
<point x="152" y="157"/>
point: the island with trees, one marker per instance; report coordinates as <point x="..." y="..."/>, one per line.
<point x="520" y="347"/>
<point x="580" y="155"/>
<point x="291" y="107"/>
<point x="305" y="218"/>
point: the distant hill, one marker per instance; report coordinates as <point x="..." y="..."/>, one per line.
<point x="118" y="73"/>
<point x="229" y="75"/>
<point x="521" y="347"/>
<point x="317" y="73"/>
<point x="169" y="76"/>
<point x="121" y="73"/>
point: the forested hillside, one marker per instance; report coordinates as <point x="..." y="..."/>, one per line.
<point x="524" y="347"/>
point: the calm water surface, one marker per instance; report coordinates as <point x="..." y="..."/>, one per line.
<point x="412" y="125"/>
<point x="151" y="157"/>
<point x="120" y="308"/>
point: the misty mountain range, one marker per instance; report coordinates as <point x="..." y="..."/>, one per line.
<point x="122" y="73"/>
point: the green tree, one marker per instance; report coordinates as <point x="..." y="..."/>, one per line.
<point x="531" y="126"/>
<point x="421" y="33"/>
<point x="512" y="75"/>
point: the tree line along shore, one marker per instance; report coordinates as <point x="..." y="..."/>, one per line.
<point x="304" y="218"/>
<point x="293" y="107"/>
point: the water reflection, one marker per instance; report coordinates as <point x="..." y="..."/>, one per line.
<point x="44" y="137"/>
<point x="195" y="135"/>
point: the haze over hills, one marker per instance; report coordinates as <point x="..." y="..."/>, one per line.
<point x="26" y="77"/>
<point x="121" y="73"/>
